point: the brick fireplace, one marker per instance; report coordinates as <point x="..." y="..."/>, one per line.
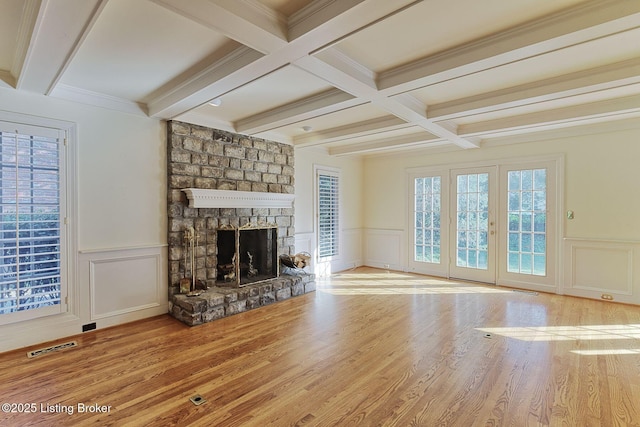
<point x="222" y="184"/>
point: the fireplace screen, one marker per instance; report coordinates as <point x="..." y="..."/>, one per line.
<point x="247" y="255"/>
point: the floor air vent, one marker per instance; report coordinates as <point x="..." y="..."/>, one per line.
<point x="57" y="347"/>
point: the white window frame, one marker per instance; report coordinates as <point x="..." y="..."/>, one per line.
<point x="334" y="172"/>
<point x="68" y="309"/>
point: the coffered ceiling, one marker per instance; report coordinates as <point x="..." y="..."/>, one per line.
<point x="354" y="76"/>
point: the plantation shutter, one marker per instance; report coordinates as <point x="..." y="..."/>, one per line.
<point x="30" y="220"/>
<point x="328" y="211"/>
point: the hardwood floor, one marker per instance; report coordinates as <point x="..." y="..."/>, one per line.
<point x="367" y="348"/>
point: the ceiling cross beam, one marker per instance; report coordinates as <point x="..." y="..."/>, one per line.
<point x="58" y="32"/>
<point x="616" y="75"/>
<point x="330" y="67"/>
<point x="618" y="109"/>
<point x="313" y="106"/>
<point x="355" y="130"/>
<point x="316" y="27"/>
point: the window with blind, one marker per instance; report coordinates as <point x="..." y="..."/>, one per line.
<point x="328" y="214"/>
<point x="30" y="219"/>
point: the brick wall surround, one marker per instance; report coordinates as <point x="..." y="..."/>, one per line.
<point x="201" y="157"/>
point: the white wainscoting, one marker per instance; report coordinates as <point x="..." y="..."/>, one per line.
<point x="350" y="252"/>
<point x="304" y="242"/>
<point x="384" y="248"/>
<point x="597" y="268"/>
<point x="125" y="284"/>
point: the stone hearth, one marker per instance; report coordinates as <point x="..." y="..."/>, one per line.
<point x="218" y="302"/>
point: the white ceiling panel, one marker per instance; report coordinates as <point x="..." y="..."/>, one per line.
<point x="135" y="47"/>
<point x="435" y="25"/>
<point x="278" y="88"/>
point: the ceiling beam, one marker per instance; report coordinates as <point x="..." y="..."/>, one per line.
<point x="354" y="130"/>
<point x="232" y="71"/>
<point x="579" y="24"/>
<point x="294" y="112"/>
<point x="403" y="142"/>
<point x="610" y="76"/>
<point x="58" y="33"/>
<point x="342" y="75"/>
<point x="240" y="21"/>
<point x="30" y="12"/>
<point x="611" y="109"/>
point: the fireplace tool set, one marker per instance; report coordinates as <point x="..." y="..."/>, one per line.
<point x="189" y="285"/>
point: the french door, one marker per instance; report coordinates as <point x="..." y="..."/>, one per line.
<point x="492" y="224"/>
<point x="472" y="246"/>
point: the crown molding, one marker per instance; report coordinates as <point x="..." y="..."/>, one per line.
<point x="96" y="99"/>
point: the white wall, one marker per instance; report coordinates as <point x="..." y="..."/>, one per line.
<point x="121" y="218"/>
<point x="602" y="187"/>
<point x="351" y="206"/>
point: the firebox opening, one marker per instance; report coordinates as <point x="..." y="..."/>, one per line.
<point x="247" y="255"/>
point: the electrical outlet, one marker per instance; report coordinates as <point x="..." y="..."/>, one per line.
<point x="607" y="297"/>
<point x="386" y="266"/>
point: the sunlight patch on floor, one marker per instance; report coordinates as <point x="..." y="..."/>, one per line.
<point x="412" y="290"/>
<point x="617" y="351"/>
<point x="386" y="275"/>
<point x="397" y="283"/>
<point x="568" y="333"/>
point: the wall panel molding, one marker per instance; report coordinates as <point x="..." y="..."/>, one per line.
<point x="602" y="269"/>
<point x="384" y="248"/>
<point x="125" y="284"/>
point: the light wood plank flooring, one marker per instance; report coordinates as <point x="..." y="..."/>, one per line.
<point x="368" y="348"/>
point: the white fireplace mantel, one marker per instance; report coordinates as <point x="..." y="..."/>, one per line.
<point x="205" y="198"/>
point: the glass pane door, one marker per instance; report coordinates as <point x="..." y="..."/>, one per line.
<point x="527" y="213"/>
<point x="527" y="232"/>
<point x="473" y="225"/>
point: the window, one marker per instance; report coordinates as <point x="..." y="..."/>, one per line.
<point x="427" y="200"/>
<point x="31" y="215"/>
<point x="328" y="213"/>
